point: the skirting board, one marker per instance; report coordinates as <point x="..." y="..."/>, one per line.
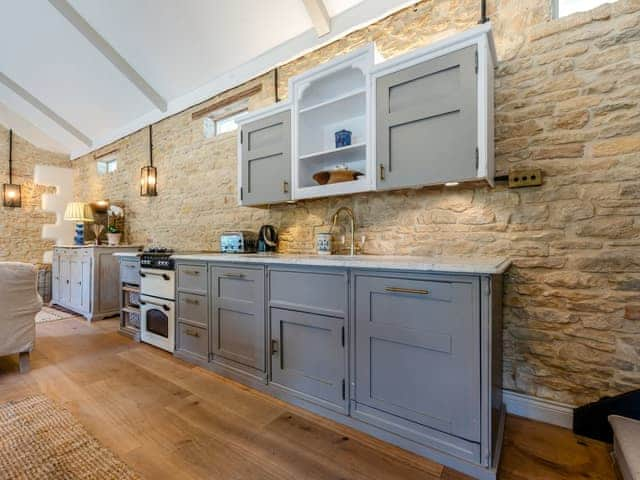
<point x="546" y="411"/>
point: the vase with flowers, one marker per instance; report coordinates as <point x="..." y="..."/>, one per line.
<point x="113" y="232"/>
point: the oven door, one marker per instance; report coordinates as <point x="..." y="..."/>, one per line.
<point x="158" y="283"/>
<point x="157" y="322"/>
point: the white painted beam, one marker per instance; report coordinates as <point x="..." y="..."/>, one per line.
<point x="320" y="18"/>
<point x="105" y="48"/>
<point x="36" y="103"/>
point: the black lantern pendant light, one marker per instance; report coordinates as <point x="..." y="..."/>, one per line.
<point x="149" y="174"/>
<point x="11" y="194"/>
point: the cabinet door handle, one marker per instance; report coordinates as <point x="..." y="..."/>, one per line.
<point x="416" y="291"/>
<point x="274" y="346"/>
<point x="233" y="275"/>
<point x="381" y="172"/>
<point x="164" y="306"/>
<point x="191" y="301"/>
<point x="192" y="272"/>
<point x="192" y="333"/>
<point x="285" y="186"/>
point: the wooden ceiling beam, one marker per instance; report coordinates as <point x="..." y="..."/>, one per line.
<point x="39" y="105"/>
<point x="105" y="48"/>
<point x="319" y="15"/>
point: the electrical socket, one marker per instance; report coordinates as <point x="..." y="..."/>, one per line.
<point x="525" y="178"/>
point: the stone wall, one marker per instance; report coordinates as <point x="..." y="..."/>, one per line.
<point x="566" y="101"/>
<point x="21" y="228"/>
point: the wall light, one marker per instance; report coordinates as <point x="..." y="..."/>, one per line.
<point x="149" y="174"/>
<point x="11" y="193"/>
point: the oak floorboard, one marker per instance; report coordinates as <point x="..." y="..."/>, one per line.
<point x="168" y="419"/>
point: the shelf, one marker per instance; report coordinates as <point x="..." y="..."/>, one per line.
<point x="128" y="288"/>
<point x="131" y="310"/>
<point x="343" y="188"/>
<point x="339" y="98"/>
<point x="336" y="152"/>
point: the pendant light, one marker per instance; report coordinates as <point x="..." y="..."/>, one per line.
<point x="149" y="174"/>
<point x="11" y="194"/>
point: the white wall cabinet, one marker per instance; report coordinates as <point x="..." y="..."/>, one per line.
<point x="418" y="119"/>
<point x="86" y="280"/>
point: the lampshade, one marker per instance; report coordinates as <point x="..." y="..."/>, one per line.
<point x="148" y="181"/>
<point x="11" y="195"/>
<point x="78" y="212"/>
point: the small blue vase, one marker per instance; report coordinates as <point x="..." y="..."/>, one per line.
<point x="343" y="138"/>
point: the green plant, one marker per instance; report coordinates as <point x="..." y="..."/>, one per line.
<point x="113" y="229"/>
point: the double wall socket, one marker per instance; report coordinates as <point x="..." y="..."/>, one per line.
<point x="525" y="178"/>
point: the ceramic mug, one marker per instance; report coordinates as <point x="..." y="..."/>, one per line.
<point x="324" y="243"/>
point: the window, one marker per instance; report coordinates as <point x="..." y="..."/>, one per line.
<point x="562" y="8"/>
<point x="223" y="120"/>
<point x="107" y="164"/>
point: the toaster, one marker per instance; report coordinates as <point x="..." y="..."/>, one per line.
<point x="241" y="241"/>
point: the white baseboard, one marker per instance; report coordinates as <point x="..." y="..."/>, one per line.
<point x="546" y="411"/>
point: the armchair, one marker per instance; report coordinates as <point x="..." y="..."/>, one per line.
<point x="19" y="304"/>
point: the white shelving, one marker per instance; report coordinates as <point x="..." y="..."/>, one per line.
<point x="332" y="97"/>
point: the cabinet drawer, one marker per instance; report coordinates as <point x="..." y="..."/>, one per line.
<point x="193" y="340"/>
<point x="323" y="292"/>
<point x="412" y="337"/>
<point x="130" y="272"/>
<point x="192" y="278"/>
<point x="192" y="308"/>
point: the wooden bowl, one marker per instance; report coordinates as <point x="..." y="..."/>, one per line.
<point x="335" y="176"/>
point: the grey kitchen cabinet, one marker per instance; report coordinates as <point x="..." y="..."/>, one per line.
<point x="238" y="327"/>
<point x="86" y="280"/>
<point x="307" y="311"/>
<point x="427" y="122"/>
<point x="266" y="158"/>
<point x="192" y="311"/>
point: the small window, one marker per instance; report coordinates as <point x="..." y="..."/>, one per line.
<point x="223" y="120"/>
<point x="107" y="164"/>
<point x="562" y="8"/>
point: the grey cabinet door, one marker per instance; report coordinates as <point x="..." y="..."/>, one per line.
<point x="417" y="351"/>
<point x="86" y="281"/>
<point x="55" y="278"/>
<point x="266" y="160"/>
<point x="239" y="328"/>
<point x="75" y="282"/>
<point x="65" y="282"/>
<point x="426" y="122"/>
<point x="308" y="355"/>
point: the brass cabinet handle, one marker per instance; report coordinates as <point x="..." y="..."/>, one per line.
<point x="192" y="272"/>
<point x="233" y="275"/>
<point x="191" y="333"/>
<point x="381" y="172"/>
<point x="285" y="186"/>
<point x="274" y="346"/>
<point x="192" y="301"/>
<point x="416" y="291"/>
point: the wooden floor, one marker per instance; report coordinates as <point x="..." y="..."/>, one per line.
<point x="168" y="419"/>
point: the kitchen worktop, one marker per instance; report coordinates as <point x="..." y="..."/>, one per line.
<point x="482" y="265"/>
<point x="99" y="246"/>
<point x="127" y="254"/>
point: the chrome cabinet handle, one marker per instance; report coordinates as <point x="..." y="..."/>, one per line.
<point x="285" y="186"/>
<point x="274" y="346"/>
<point x="416" y="291"/>
<point x="233" y="275"/>
<point x="192" y="333"/>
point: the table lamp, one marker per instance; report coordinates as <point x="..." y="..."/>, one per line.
<point x="78" y="212"/>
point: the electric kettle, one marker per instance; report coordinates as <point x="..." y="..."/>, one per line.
<point x="267" y="239"/>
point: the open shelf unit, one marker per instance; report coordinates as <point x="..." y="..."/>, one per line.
<point x="332" y="97"/>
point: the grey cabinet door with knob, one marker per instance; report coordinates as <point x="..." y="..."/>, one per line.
<point x="239" y="329"/>
<point x="417" y="350"/>
<point x="266" y="160"/>
<point x="427" y="122"/>
<point x="308" y="354"/>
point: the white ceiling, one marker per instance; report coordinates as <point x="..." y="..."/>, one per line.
<point x="60" y="91"/>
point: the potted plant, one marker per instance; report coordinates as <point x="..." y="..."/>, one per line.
<point x="113" y="232"/>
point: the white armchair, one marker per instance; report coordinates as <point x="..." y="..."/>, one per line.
<point x="19" y="304"/>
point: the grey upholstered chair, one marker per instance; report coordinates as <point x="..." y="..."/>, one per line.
<point x="19" y="304"/>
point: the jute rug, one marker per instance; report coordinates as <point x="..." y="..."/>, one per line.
<point x="40" y="440"/>
<point x="49" y="314"/>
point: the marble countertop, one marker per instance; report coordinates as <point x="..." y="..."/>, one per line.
<point x="478" y="265"/>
